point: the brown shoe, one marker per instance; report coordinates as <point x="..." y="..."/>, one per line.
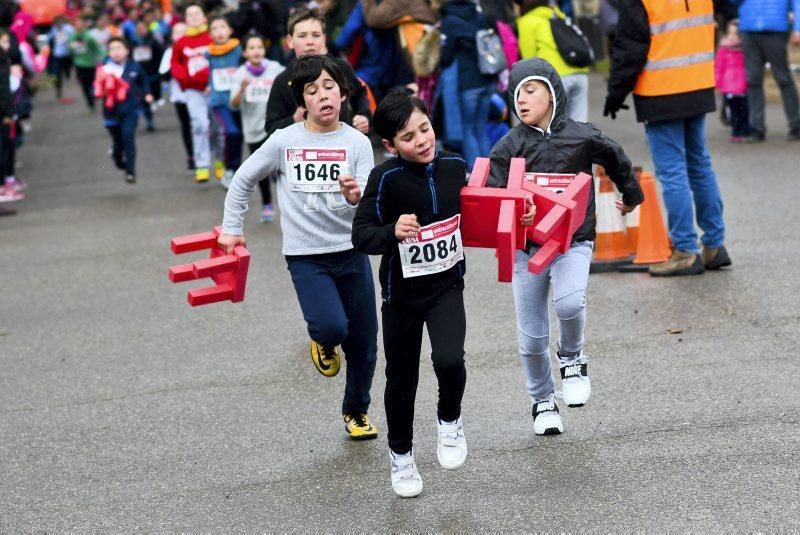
<point x="715" y="257"/>
<point x="680" y="263"/>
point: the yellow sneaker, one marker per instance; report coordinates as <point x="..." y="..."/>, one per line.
<point x="326" y="360"/>
<point x="201" y="174"/>
<point x="219" y="169"/>
<point x="358" y="427"/>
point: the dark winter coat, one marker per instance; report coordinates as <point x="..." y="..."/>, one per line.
<point x="629" y="56"/>
<point x="461" y="20"/>
<point x="566" y="146"/>
<point x="432" y="192"/>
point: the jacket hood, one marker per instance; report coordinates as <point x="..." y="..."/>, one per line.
<point x="538" y="69"/>
<point x="463" y="9"/>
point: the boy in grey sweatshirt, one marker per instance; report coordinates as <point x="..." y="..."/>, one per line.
<point x="322" y="166"/>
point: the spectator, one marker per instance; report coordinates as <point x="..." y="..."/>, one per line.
<point x="764" y="25"/>
<point x="671" y="98"/>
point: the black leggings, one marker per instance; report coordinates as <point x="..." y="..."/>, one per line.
<point x="402" y="342"/>
<point x="263" y="185"/>
<point x="186" y="129"/>
<point x="86" y="79"/>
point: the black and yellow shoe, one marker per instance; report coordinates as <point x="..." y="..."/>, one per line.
<point x="325" y="359"/>
<point x="358" y="427"/>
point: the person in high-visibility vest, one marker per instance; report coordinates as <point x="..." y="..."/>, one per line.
<point x="664" y="54"/>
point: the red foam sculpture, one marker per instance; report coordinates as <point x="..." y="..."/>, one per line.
<point x="490" y="216"/>
<point x="228" y="271"/>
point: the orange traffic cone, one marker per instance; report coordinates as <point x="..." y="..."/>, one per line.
<point x="610" y="246"/>
<point x="653" y="245"/>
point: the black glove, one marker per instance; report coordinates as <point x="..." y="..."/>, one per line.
<point x="613" y="105"/>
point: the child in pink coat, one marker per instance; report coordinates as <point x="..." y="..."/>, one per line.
<point x="732" y="81"/>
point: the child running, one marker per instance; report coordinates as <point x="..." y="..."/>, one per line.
<point x="551" y="142"/>
<point x="178" y="98"/>
<point x="410" y="214"/>
<point x="224" y="55"/>
<point x="322" y="165"/>
<point x="252" y="84"/>
<point x="123" y="86"/>
<point x="189" y="67"/>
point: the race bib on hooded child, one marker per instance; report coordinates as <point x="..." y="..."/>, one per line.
<point x="555" y="182"/>
<point x="315" y="170"/>
<point x="436" y="248"/>
<point x="223" y="78"/>
<point x="257" y="91"/>
<point x="113" y="69"/>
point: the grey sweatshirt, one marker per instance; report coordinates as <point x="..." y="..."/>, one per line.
<point x="312" y="223"/>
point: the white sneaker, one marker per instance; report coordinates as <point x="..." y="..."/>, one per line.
<point x="575" y="384"/>
<point x="227" y="178"/>
<point x="546" y="419"/>
<point x="451" y="447"/>
<point x="406" y="481"/>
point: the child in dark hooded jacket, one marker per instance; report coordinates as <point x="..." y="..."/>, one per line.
<point x="551" y="142"/>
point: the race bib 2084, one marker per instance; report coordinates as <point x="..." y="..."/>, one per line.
<point x="436" y="248"/>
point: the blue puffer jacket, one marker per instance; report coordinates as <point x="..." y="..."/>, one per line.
<point x="768" y="15"/>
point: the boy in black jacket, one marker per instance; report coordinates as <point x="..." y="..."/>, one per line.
<point x="551" y="142"/>
<point x="410" y="214"/>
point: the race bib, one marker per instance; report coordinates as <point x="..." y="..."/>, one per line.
<point x="113" y="69"/>
<point x="436" y="248"/>
<point x="223" y="78"/>
<point x="142" y="53"/>
<point x="79" y="47"/>
<point x="315" y="170"/>
<point x="555" y="182"/>
<point x="197" y="64"/>
<point x="258" y="91"/>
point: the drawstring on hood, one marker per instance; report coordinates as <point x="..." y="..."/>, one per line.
<point x="538" y="69"/>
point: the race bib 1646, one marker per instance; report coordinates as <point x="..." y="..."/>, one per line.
<point x="315" y="170"/>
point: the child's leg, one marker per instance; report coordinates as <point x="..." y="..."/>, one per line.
<point x="569" y="275"/>
<point x="402" y="341"/>
<point x="236" y="140"/>
<point x="147" y="111"/>
<point x="128" y="134"/>
<point x="263" y="185"/>
<point x="739" y="122"/>
<point x="447" y="326"/>
<point x="533" y="326"/>
<point x="186" y="128"/>
<point x="197" y="106"/>
<point x="353" y="276"/>
<point x="86" y="79"/>
<point x="115" y="131"/>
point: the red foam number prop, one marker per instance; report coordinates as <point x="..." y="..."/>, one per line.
<point x="490" y="216"/>
<point x="228" y="271"/>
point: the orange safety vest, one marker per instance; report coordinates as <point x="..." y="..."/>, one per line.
<point x="681" y="55"/>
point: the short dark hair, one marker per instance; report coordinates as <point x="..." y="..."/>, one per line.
<point x="305" y="13"/>
<point x="117" y="40"/>
<point x="308" y="68"/>
<point x="394" y="111"/>
<point x="223" y="18"/>
<point x="250" y="36"/>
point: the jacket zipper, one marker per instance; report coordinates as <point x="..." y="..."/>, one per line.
<point x="429" y="174"/>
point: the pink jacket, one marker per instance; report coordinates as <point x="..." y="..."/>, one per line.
<point x="729" y="69"/>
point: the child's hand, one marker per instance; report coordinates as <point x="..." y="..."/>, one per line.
<point x="530" y="210"/>
<point x="299" y="115"/>
<point x="350" y="188"/>
<point x="227" y="242"/>
<point x="361" y="124"/>
<point x="406" y="227"/>
<point x="624" y="208"/>
<point x="245" y="83"/>
<point x="148" y="99"/>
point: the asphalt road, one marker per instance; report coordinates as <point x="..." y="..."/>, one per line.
<point x="121" y="408"/>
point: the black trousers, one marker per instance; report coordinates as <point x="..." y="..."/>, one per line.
<point x="263" y="185"/>
<point x="186" y="129"/>
<point x="402" y="342"/>
<point x="86" y="79"/>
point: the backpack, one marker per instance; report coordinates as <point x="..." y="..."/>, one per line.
<point x="491" y="55"/>
<point x="573" y="46"/>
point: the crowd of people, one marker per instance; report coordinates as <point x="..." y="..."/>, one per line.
<point x="310" y="89"/>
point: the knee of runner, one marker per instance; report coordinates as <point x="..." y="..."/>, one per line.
<point x="330" y="332"/>
<point x="570" y="306"/>
<point x="533" y="346"/>
<point x="448" y="364"/>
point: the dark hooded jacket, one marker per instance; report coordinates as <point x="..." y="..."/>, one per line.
<point x="566" y="146"/>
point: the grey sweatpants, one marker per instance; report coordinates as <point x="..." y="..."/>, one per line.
<point x="568" y="275"/>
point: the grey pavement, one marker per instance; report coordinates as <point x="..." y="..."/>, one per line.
<point x="122" y="408"/>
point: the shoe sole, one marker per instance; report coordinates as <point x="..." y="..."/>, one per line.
<point x="459" y="465"/>
<point x="360" y="438"/>
<point x="413" y="494"/>
<point x="717" y="267"/>
<point x="680" y="272"/>
<point x="574" y="405"/>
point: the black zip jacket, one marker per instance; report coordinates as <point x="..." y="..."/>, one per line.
<point x="432" y="192"/>
<point x="629" y="56"/>
<point x="281" y="104"/>
<point x="566" y="147"/>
